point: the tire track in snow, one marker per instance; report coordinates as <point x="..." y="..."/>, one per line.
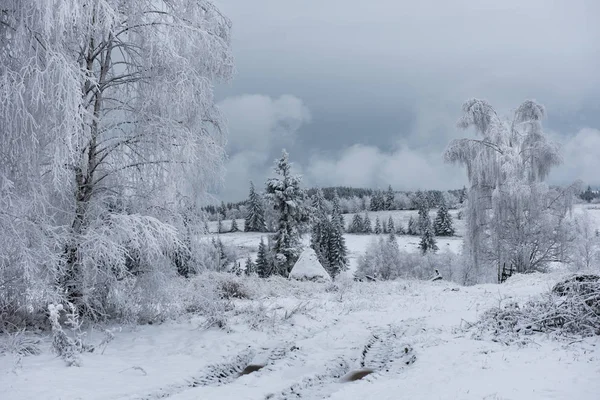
<point x="382" y="352"/>
<point x="226" y="372"/>
<point x="215" y="374"/>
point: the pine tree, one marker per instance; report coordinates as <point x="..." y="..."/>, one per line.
<point x="442" y="226"/>
<point x="219" y="224"/>
<point x="321" y="228"/>
<point x="428" y="242"/>
<point x="237" y="269"/>
<point x="423" y="219"/>
<point x="337" y="210"/>
<point x="357" y="224"/>
<point x="263" y="265"/>
<point x="367" y="228"/>
<point x="377" y="229"/>
<point x="389" y="198"/>
<point x="250" y="267"/>
<point x="255" y="220"/>
<point x="384" y="229"/>
<point x="288" y="199"/>
<point x="234" y="226"/>
<point x="378" y="201"/>
<point x="338" y="253"/>
<point x="390" y="225"/>
<point x="413" y="226"/>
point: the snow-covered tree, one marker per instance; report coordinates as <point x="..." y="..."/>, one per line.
<point x="366" y="224"/>
<point x="321" y="229"/>
<point x="234" y="226"/>
<point x="338" y="253"/>
<point x="264" y="267"/>
<point x="413" y="226"/>
<point x="443" y="226"/>
<point x="423" y="219"/>
<point x="356" y="226"/>
<point x="288" y="199"/>
<point x="255" y="220"/>
<point x="512" y="216"/>
<point x="108" y="120"/>
<point x="378" y="201"/>
<point x="220" y="223"/>
<point x="389" y="198"/>
<point x="250" y="266"/>
<point x="428" y="242"/>
<point x="377" y="229"/>
<point x="390" y="225"/>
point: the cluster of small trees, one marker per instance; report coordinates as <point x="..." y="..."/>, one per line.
<point x="294" y="215"/>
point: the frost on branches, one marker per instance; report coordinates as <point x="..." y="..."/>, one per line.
<point x="513" y="219"/>
<point x="109" y="129"/>
<point x="288" y="200"/>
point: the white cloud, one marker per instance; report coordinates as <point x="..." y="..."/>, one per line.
<point x="581" y="154"/>
<point x="259" y="126"/>
<point x="404" y="168"/>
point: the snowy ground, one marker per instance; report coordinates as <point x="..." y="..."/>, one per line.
<point x="408" y="331"/>
<point x="309" y="338"/>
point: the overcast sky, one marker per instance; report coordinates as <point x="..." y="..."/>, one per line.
<point x="367" y="93"/>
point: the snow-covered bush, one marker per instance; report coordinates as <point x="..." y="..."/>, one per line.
<point x="384" y="260"/>
<point x="19" y="342"/>
<point x="572" y="307"/>
<point x="67" y="346"/>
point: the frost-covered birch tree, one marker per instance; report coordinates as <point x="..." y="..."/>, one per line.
<point x="108" y="120"/>
<point x="512" y="215"/>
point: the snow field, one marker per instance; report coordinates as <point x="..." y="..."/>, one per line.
<point x="408" y="332"/>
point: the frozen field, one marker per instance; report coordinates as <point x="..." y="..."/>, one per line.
<point x="408" y="332"/>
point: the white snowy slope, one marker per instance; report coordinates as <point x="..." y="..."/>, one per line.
<point x="308" y="336"/>
<point x="309" y="268"/>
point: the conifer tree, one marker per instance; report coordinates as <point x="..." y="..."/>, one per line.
<point x="378" y="201"/>
<point x="255" y="220"/>
<point x="338" y="253"/>
<point x="442" y="226"/>
<point x="384" y="229"/>
<point x="321" y="228"/>
<point x="423" y="220"/>
<point x="389" y="198"/>
<point x="337" y="211"/>
<point x="377" y="229"/>
<point x="357" y="224"/>
<point x="234" y="226"/>
<point x="263" y="264"/>
<point x="237" y="269"/>
<point x="219" y="223"/>
<point x="367" y="228"/>
<point x="390" y="225"/>
<point x="413" y="226"/>
<point x="288" y="200"/>
<point x="250" y="267"/>
<point x="428" y="242"/>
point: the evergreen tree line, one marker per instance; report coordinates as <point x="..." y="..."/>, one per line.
<point x="352" y="200"/>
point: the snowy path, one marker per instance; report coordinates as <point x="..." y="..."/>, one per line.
<point x="406" y="331"/>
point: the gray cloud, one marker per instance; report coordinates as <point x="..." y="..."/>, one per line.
<point x="259" y="126"/>
<point x="391" y="76"/>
